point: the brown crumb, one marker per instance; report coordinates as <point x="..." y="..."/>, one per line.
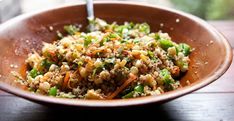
<point x="211" y="42"/>
<point x="161" y="24"/>
<point x="188" y="82"/>
<point x="51" y="28"/>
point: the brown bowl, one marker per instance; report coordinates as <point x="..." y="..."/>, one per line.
<point x="210" y="59"/>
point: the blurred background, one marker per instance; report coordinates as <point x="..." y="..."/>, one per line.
<point x="205" y="9"/>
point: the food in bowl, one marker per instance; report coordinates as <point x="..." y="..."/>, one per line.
<point x="110" y="61"/>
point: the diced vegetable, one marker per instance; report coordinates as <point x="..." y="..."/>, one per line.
<point x="167" y="79"/>
<point x="177" y="49"/>
<point x="119" y="29"/>
<point x="109" y="64"/>
<point x="129" y="95"/>
<point x="139" y="88"/>
<point x="144" y="27"/>
<point x="66" y="79"/>
<point x="136" y="40"/>
<point x="165" y="44"/>
<point x="152" y="57"/>
<point x="113" y="35"/>
<point x="127" y="90"/>
<point x="46" y="63"/>
<point x="105" y="39"/>
<point x="166" y="76"/>
<point x="23" y="70"/>
<point x="98" y="70"/>
<point x="157" y="36"/>
<point x="185" y="48"/>
<point x="51" y="55"/>
<point x="185" y="67"/>
<point x="53" y="91"/>
<point x="87" y="41"/>
<point x="71" y="29"/>
<point x="124" y="41"/>
<point x="182" y="65"/>
<point x="151" y="54"/>
<point x="80" y="63"/>
<point x="34" y="72"/>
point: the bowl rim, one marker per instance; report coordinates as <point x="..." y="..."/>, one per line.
<point x="124" y="102"/>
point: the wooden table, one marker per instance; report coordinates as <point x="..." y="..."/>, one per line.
<point x="215" y="102"/>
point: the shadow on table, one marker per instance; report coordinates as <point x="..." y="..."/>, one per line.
<point x="144" y="113"/>
<point x="16" y="109"/>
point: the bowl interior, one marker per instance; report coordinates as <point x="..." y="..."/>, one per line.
<point x="20" y="36"/>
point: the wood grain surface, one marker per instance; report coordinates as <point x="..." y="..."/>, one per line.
<point x="214" y="102"/>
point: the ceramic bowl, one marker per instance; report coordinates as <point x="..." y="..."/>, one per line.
<point x="210" y="59"/>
